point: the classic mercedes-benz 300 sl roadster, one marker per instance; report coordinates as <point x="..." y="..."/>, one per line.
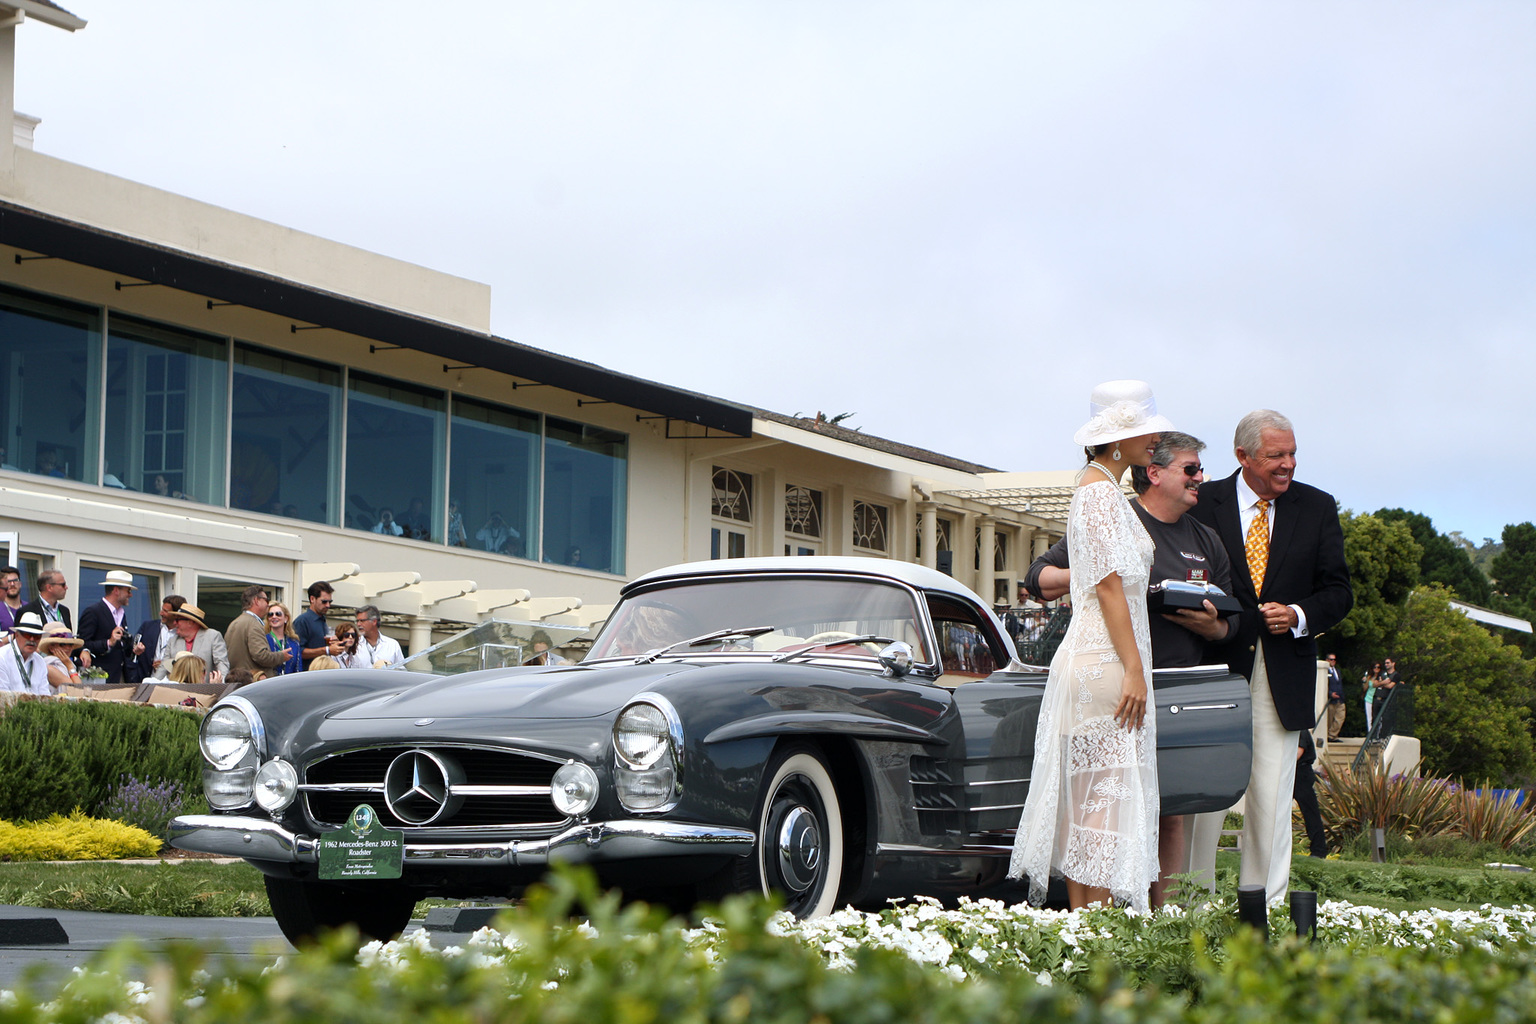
<point x="838" y="730"/>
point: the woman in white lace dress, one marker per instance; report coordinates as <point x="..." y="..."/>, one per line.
<point x="1092" y="809"/>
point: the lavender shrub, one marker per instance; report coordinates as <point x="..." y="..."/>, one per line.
<point x="149" y="805"/>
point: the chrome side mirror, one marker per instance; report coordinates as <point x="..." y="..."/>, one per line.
<point x="897" y="659"/>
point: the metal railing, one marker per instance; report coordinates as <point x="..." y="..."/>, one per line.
<point x="1042" y="648"/>
<point x="1384" y="725"/>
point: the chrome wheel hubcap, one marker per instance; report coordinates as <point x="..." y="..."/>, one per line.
<point x="798" y="848"/>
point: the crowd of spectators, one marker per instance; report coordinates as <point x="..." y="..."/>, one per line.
<point x="42" y="651"/>
<point x="1027" y="623"/>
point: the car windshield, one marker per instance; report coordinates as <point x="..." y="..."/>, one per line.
<point x="802" y="611"/>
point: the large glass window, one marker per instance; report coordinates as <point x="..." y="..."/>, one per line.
<point x="585" y="495"/>
<point x="285" y="443"/>
<point x="395" y="472"/>
<point x="871" y="525"/>
<point x="802" y="510"/>
<point x="50" y="386"/>
<point x="493" y="479"/>
<point x="166" y="395"/>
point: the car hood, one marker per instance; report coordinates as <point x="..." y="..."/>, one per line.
<point x="564" y="692"/>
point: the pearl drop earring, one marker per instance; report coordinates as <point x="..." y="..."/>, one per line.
<point x="1116" y="453"/>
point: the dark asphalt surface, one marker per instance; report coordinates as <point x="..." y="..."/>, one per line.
<point x="246" y="939"/>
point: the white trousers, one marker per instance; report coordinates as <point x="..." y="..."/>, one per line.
<point x="1267" y="808"/>
<point x="1267" y="805"/>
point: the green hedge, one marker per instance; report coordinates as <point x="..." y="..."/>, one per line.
<point x="57" y="755"/>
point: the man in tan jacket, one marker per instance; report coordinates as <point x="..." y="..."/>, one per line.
<point x="247" y="636"/>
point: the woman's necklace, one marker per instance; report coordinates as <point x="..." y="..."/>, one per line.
<point x="1112" y="478"/>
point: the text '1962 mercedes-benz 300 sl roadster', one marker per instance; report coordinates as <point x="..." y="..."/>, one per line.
<point x="837" y="730"/>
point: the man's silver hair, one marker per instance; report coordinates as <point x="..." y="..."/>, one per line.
<point x="1171" y="442"/>
<point x="1255" y="423"/>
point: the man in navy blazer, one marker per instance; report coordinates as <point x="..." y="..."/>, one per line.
<point x="1302" y="589"/>
<point x="156" y="633"/>
<point x="104" y="629"/>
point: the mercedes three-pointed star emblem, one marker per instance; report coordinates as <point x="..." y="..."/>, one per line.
<point x="418" y="787"/>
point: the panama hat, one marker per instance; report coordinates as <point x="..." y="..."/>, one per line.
<point x="56" y="634"/>
<point x="31" y="622"/>
<point x="1119" y="409"/>
<point x="192" y="612"/>
<point x="119" y="578"/>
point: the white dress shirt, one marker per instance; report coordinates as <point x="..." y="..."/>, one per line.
<point x="387" y="648"/>
<point x="23" y="675"/>
<point x="1247" y="508"/>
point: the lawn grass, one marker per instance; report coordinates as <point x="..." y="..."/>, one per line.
<point x="201" y="888"/>
<point x="1398" y="886"/>
<point x="193" y="888"/>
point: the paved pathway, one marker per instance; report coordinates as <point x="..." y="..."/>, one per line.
<point x="247" y="939"/>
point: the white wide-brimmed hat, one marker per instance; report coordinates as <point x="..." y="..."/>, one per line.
<point x="30" y="622"/>
<point x="1119" y="409"/>
<point x="119" y="578"/>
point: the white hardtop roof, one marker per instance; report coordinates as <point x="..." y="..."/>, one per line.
<point x="905" y="572"/>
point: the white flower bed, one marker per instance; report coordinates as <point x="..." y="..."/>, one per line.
<point x="986" y="936"/>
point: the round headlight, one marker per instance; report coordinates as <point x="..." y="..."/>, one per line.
<point x="641" y="735"/>
<point x="277" y="783"/>
<point x="226" y="737"/>
<point x="574" y="789"/>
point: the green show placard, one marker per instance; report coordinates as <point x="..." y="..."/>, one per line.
<point x="362" y="848"/>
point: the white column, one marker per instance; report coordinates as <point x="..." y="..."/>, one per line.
<point x="8" y="101"/>
<point x="1041" y="542"/>
<point x="421" y="634"/>
<point x="768" y="516"/>
<point x="986" y="543"/>
<point x="928" y="527"/>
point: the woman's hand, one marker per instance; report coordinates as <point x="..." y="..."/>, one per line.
<point x="1132" y="709"/>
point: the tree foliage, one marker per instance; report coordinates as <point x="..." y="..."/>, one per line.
<point x="1473" y="692"/>
<point x="1443" y="560"/>
<point x="1383" y="561"/>
<point x="1514" y="575"/>
<point x="1514" y="568"/>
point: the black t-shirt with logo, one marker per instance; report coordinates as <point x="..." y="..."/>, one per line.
<point x="1181" y="549"/>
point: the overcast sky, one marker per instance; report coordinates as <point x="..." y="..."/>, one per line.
<point x="950" y="219"/>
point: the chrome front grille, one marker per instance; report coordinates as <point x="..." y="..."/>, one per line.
<point x="498" y="790"/>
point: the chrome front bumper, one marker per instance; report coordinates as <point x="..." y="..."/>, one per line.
<point x="591" y="843"/>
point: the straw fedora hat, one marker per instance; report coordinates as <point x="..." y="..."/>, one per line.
<point x="119" y="578"/>
<point x="31" y="622"/>
<point x="192" y="612"/>
<point x="1119" y="409"/>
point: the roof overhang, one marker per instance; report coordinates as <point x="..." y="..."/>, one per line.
<point x="46" y="13"/>
<point x="1491" y="618"/>
<point x="93" y="247"/>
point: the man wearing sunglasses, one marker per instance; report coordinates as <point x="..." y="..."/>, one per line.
<point x="315" y="637"/>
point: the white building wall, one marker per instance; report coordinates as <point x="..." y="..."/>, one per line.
<point x="59" y="187"/>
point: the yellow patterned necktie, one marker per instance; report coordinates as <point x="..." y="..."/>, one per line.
<point x="1256" y="546"/>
